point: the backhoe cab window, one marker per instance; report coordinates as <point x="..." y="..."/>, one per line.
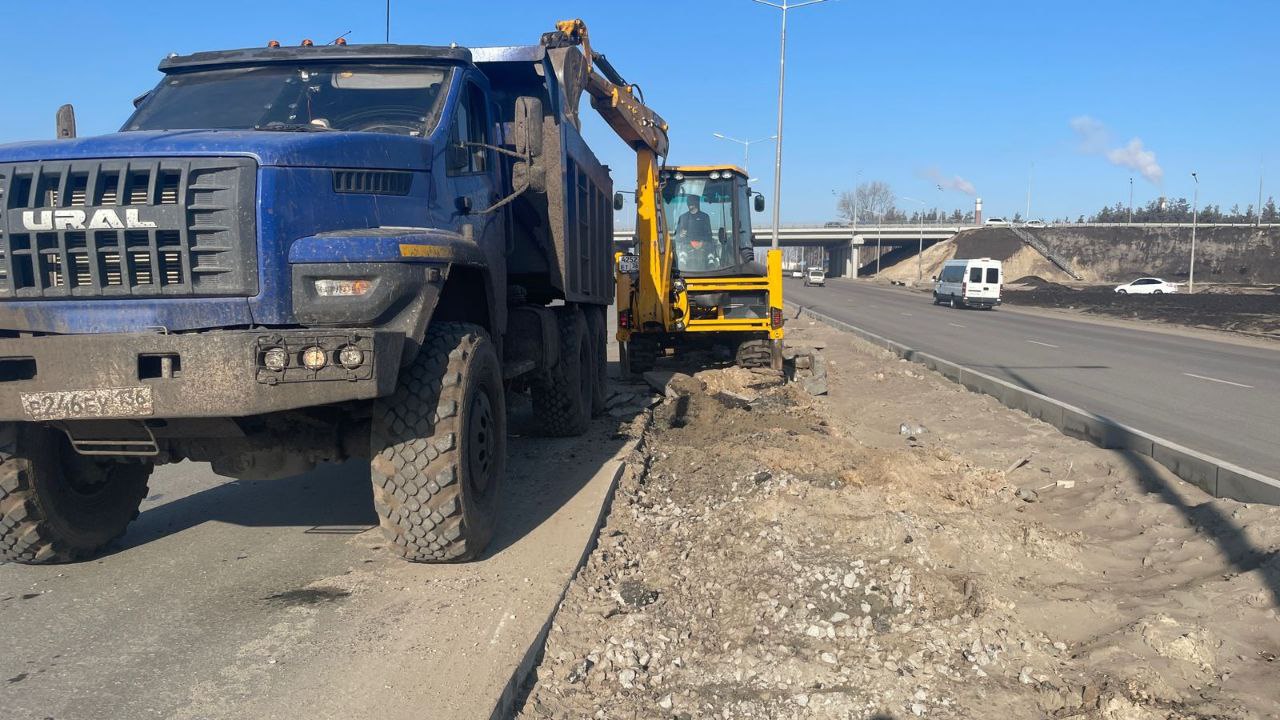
<point x="398" y="100"/>
<point x="706" y="221"/>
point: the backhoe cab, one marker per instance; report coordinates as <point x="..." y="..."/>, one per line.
<point x="716" y="293"/>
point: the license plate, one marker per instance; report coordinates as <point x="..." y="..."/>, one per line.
<point x="97" y="403"/>
<point x="629" y="264"/>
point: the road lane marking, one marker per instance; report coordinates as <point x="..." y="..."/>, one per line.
<point x="1210" y="379"/>
<point x="1037" y="342"/>
<point x="955" y="324"/>
<point x="907" y="314"/>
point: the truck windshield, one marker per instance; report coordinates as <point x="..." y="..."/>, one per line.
<point x="400" y="100"/>
<point x="702" y="214"/>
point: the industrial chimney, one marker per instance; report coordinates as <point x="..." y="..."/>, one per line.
<point x="977" y="211"/>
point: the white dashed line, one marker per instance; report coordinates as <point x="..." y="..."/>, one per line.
<point x="1037" y="342"/>
<point x="907" y="314"/>
<point x="1224" y="382"/>
<point x="955" y="324"/>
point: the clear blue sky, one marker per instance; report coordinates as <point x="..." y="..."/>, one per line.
<point x="976" y="90"/>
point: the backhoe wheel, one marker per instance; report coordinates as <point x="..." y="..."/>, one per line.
<point x="755" y="353"/>
<point x="598" y="331"/>
<point x="642" y="354"/>
<point x="562" y="395"/>
<point x="57" y="505"/>
<point x="439" y="447"/>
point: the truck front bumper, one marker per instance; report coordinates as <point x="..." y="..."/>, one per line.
<point x="220" y="373"/>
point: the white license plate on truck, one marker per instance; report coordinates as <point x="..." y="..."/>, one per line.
<point x="629" y="264"/>
<point x="96" y="403"/>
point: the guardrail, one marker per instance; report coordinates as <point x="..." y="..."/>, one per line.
<point x="1213" y="475"/>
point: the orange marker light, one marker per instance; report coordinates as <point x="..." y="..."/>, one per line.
<point x="273" y="44"/>
<point x="340" y="41"/>
<point x="307" y="43"/>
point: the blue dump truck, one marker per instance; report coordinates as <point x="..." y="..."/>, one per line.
<point x="290" y="256"/>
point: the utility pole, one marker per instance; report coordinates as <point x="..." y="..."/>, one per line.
<point x="1258" y="218"/>
<point x="879" y="219"/>
<point x="1130" y="200"/>
<point x="920" y="250"/>
<point x="1030" y="174"/>
<point x="1195" y="207"/>
<point x="782" y="80"/>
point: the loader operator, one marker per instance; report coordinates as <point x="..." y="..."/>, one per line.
<point x="693" y="231"/>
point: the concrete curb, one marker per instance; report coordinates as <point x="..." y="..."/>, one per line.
<point x="506" y="704"/>
<point x="1216" y="477"/>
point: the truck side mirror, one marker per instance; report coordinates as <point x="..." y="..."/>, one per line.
<point x="618" y="201"/>
<point x="527" y="126"/>
<point x="66" y="122"/>
<point x="759" y="203"/>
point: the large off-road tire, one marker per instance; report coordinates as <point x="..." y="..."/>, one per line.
<point x="439" y="447"/>
<point x="562" y="395"/>
<point x="598" y="331"/>
<point x="641" y="355"/>
<point x="57" y="505"/>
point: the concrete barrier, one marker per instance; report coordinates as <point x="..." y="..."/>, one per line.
<point x="1213" y="475"/>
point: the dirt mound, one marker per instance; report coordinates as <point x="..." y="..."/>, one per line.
<point x="1251" y="314"/>
<point x="994" y="243"/>
<point x="1001" y="244"/>
<point x="1224" y="254"/>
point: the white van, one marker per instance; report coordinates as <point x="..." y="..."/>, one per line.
<point x="972" y="283"/>
<point x="815" y="276"/>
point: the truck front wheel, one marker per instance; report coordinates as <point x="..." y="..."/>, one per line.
<point x="57" y="505"/>
<point x="439" y="447"/>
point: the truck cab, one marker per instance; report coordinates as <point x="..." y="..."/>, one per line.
<point x="289" y="256"/>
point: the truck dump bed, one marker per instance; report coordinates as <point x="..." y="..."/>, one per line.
<point x="562" y="229"/>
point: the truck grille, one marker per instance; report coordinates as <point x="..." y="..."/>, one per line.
<point x="128" y="228"/>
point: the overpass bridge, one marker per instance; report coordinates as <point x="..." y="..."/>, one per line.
<point x="843" y="244"/>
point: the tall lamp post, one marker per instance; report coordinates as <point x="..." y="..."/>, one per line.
<point x="1130" y="201"/>
<point x="1195" y="209"/>
<point x="920" y="251"/>
<point x="746" y="148"/>
<point x="782" y="77"/>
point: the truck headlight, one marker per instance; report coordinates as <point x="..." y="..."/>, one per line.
<point x="351" y="357"/>
<point x="332" y="287"/>
<point x="275" y="358"/>
<point x="314" y="358"/>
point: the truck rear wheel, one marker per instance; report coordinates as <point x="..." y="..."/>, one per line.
<point x="439" y="447"/>
<point x="598" y="330"/>
<point x="57" y="505"/>
<point x="562" y="394"/>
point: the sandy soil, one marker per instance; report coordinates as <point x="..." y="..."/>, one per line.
<point x="902" y="548"/>
<point x="1019" y="259"/>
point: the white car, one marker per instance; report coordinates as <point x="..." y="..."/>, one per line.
<point x="1147" y="286"/>
<point x="995" y="221"/>
<point x="797" y="273"/>
<point x="1035" y="224"/>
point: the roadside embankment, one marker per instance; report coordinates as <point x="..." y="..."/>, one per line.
<point x="904" y="548"/>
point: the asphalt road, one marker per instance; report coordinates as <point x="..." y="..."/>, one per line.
<point x="276" y="599"/>
<point x="1220" y="398"/>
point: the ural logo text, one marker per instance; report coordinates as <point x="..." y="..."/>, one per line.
<point x="101" y="219"/>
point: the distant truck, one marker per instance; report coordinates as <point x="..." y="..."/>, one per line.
<point x="290" y="256"/>
<point x="969" y="283"/>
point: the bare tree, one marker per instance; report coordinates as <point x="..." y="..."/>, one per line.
<point x="873" y="199"/>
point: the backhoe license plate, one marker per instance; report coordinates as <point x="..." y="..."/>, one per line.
<point x="628" y="264"/>
<point x="103" y="402"/>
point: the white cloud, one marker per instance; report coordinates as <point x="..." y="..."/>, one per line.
<point x="1095" y="139"/>
<point x="1135" y="157"/>
<point x="954" y="182"/>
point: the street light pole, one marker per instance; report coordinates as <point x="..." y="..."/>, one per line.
<point x="1030" y="174"/>
<point x="782" y="79"/>
<point x="879" y="219"/>
<point x="920" y="251"/>
<point x="1130" y="201"/>
<point x="746" y="148"/>
<point x="1195" y="208"/>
